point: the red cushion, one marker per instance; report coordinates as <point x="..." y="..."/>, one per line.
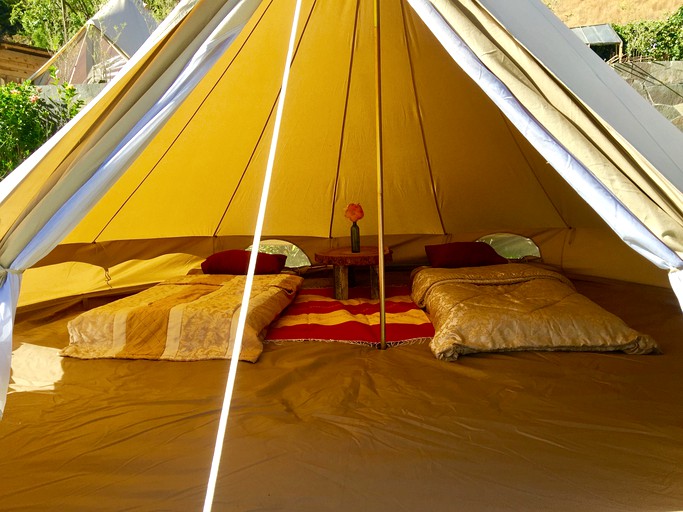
<point x="463" y="254"/>
<point x="236" y="261"/>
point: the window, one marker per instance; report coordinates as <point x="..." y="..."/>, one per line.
<point x="511" y="246"/>
<point x="295" y="256"/>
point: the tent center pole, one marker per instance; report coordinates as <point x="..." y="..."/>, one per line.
<point x="380" y="177"/>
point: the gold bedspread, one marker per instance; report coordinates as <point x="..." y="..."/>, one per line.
<point x="516" y="307"/>
<point x="185" y="319"/>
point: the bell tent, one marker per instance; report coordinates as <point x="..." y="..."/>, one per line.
<point x="102" y="46"/>
<point x="493" y="117"/>
<point x="448" y="120"/>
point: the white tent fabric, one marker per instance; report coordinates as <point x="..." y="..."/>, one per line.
<point x="102" y="46"/>
<point x="643" y="209"/>
<point x="624" y="223"/>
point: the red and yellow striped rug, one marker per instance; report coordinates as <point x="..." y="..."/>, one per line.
<point x="316" y="316"/>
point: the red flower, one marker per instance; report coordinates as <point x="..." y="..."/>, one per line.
<point x="354" y="212"/>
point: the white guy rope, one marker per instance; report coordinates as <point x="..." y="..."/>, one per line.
<point x="237" y="347"/>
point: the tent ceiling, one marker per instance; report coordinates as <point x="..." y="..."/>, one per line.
<point x="452" y="162"/>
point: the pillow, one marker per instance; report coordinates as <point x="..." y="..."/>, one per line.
<point x="463" y="254"/>
<point x="236" y="261"/>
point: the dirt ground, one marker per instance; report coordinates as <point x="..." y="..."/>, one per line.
<point x="576" y="13"/>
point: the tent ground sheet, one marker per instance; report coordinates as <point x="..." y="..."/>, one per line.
<point x="339" y="427"/>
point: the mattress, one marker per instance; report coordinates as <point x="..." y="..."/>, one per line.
<point x="515" y="307"/>
<point x="188" y="318"/>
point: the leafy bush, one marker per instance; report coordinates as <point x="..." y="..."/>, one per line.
<point x="658" y="40"/>
<point x="27" y="120"/>
<point x="161" y="8"/>
<point x="42" y="21"/>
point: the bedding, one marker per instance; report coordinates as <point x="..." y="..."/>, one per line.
<point x="514" y="307"/>
<point x="236" y="261"/>
<point x="315" y="315"/>
<point x="189" y="318"/>
<point x="462" y="254"/>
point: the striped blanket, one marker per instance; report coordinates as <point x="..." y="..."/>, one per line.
<point x="316" y="316"/>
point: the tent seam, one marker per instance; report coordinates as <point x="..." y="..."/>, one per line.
<point x="187" y="123"/>
<point x="265" y="125"/>
<point x="346" y="109"/>
<point x="533" y="170"/>
<point x="420" y="118"/>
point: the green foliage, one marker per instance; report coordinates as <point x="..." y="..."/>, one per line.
<point x="295" y="256"/>
<point x="161" y="8"/>
<point x="27" y="120"/>
<point x="6" y="27"/>
<point x="42" y="20"/>
<point x="23" y="124"/>
<point x="658" y="40"/>
<point x="45" y="24"/>
<point x="66" y="106"/>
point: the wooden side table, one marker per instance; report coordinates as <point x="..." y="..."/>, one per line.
<point x="341" y="258"/>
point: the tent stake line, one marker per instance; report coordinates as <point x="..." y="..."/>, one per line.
<point x="242" y="321"/>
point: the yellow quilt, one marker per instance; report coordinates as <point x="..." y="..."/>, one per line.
<point x="516" y="307"/>
<point x="190" y="318"/>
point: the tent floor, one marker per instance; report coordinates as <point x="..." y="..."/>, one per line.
<point x="323" y="426"/>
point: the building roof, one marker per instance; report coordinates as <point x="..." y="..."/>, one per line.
<point x="19" y="61"/>
<point x="596" y="35"/>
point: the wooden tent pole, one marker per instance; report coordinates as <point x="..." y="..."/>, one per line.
<point x="380" y="178"/>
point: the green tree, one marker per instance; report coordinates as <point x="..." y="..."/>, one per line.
<point x="6" y="27"/>
<point x="27" y="120"/>
<point x="657" y="40"/>
<point x="47" y="22"/>
<point x="43" y="21"/>
<point x="161" y="8"/>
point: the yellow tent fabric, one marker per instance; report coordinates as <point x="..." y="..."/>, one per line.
<point x="456" y="166"/>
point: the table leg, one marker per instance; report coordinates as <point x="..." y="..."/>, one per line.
<point x="374" y="282"/>
<point x="341" y="282"/>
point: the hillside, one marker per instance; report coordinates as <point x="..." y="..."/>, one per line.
<point x="575" y="13"/>
<point x="660" y="83"/>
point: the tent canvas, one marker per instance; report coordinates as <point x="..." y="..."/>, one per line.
<point x="165" y="167"/>
<point x="320" y="427"/>
<point x="102" y="46"/>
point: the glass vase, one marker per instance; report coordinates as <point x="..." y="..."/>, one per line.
<point x="355" y="238"/>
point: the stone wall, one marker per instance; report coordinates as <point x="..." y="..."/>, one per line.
<point x="661" y="83"/>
